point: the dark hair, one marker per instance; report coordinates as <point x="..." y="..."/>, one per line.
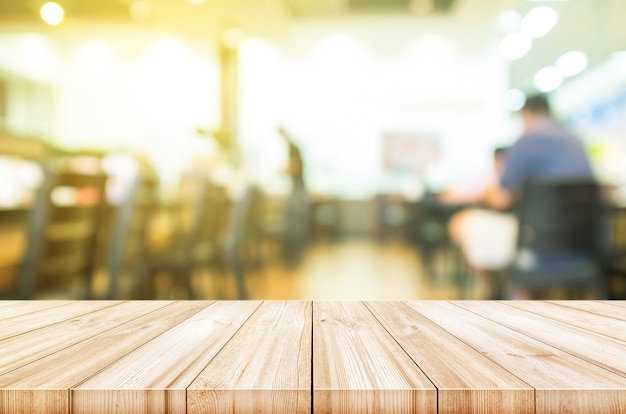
<point x="537" y="104"/>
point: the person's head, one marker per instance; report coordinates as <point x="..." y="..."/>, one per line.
<point x="537" y="104"/>
<point x="535" y="108"/>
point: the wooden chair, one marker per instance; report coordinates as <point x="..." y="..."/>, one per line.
<point x="62" y="233"/>
<point x="244" y="237"/>
<point x="561" y="238"/>
<point x="197" y="242"/>
<point x="128" y="242"/>
<point x="210" y="250"/>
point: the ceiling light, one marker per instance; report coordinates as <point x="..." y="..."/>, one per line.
<point x="52" y="13"/>
<point x="572" y="63"/>
<point x="515" y="45"/>
<point x="539" y="21"/>
<point x="548" y="79"/>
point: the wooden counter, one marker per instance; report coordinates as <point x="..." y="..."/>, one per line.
<point x="298" y="356"/>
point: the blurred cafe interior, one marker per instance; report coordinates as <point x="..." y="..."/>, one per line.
<point x="292" y="149"/>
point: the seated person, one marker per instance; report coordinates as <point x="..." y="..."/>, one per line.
<point x="545" y="149"/>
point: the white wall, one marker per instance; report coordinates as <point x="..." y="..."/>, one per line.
<point x="336" y="87"/>
<point x="338" y="92"/>
<point x="140" y="91"/>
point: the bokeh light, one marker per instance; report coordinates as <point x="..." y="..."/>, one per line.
<point x="539" y="21"/>
<point x="548" y="79"/>
<point x="515" y="46"/>
<point x="572" y="63"/>
<point x="52" y="13"/>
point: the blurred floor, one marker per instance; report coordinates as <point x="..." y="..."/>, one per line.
<point x="357" y="269"/>
<point x="353" y="269"/>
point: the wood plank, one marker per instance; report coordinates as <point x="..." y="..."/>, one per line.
<point x="43" y="385"/>
<point x="605" y="308"/>
<point x="466" y="380"/>
<point x="620" y="303"/>
<point x="265" y="368"/>
<point x="359" y="367"/>
<point x="28" y="347"/>
<point x="154" y="377"/>
<point x="593" y="322"/>
<point x="598" y="349"/>
<point x="562" y="382"/>
<point x="35" y="320"/>
<point x="18" y="307"/>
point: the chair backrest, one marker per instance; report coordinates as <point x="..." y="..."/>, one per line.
<point x="561" y="217"/>
<point x="244" y="216"/>
<point x="129" y="233"/>
<point x="200" y="216"/>
<point x="192" y="210"/>
<point x="243" y="235"/>
<point x="62" y="235"/>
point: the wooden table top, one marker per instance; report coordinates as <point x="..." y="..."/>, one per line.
<point x="321" y="356"/>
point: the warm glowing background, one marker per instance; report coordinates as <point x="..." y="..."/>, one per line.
<point x="155" y="78"/>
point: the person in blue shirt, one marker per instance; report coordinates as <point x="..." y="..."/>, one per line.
<point x="546" y="149"/>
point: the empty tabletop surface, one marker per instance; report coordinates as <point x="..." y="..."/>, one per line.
<point x="312" y="356"/>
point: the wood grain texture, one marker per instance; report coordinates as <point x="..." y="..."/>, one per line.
<point x="597" y="349"/>
<point x="620" y="303"/>
<point x="562" y="382"/>
<point x="34" y="320"/>
<point x="359" y="367"/>
<point x="604" y="308"/>
<point x="592" y="322"/>
<point x="466" y="381"/>
<point x="298" y="356"/>
<point x="17" y="308"/>
<point x="265" y="368"/>
<point x="43" y="385"/>
<point x="28" y="347"/>
<point x="153" y="378"/>
<point x="4" y="303"/>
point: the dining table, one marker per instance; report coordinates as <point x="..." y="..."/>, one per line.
<point x="303" y="356"/>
